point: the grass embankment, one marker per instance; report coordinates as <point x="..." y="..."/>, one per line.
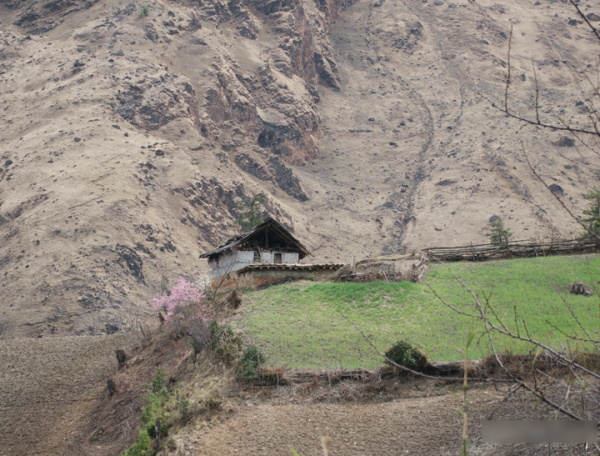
<point x="301" y="324"/>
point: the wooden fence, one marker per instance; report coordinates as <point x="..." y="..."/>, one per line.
<point x="517" y="249"/>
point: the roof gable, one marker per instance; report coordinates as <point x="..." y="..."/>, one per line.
<point x="269" y="235"/>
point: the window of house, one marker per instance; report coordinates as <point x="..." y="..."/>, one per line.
<point x="277" y="258"/>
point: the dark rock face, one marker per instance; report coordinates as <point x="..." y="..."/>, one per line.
<point x="556" y="189"/>
<point x="130" y="260"/>
<point x="277" y="172"/>
<point x="593" y="17"/>
<point x="565" y="141"/>
<point x="157" y="102"/>
<point x="251" y="166"/>
<point x="283" y="119"/>
<point x="286" y="179"/>
<point x="327" y="70"/>
<point x="446" y="182"/>
<point x="38" y="17"/>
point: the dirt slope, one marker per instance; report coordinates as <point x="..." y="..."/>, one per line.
<point x="423" y="418"/>
<point x="49" y="390"/>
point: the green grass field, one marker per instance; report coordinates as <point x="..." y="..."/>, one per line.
<point x="301" y="324"/>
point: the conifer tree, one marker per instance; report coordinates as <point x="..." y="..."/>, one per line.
<point x="499" y="235"/>
<point x="592" y="221"/>
<point x="250" y="213"/>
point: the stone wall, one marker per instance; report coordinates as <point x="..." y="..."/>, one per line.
<point x="260" y="278"/>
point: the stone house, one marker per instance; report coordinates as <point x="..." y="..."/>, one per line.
<point x="268" y="243"/>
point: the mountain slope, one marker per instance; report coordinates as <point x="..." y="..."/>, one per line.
<point x="132" y="132"/>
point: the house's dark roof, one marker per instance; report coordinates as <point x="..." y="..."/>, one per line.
<point x="270" y="224"/>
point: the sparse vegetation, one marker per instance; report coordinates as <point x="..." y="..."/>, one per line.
<point x="153" y="409"/>
<point x="167" y="410"/>
<point x="299" y="325"/>
<point x="224" y="343"/>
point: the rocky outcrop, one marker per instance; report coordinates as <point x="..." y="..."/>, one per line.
<point x="281" y="115"/>
<point x="154" y="103"/>
<point x="40" y="17"/>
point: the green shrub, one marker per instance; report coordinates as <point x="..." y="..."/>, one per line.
<point x="151" y="430"/>
<point x="406" y="355"/>
<point x="224" y="343"/>
<point x="142" y="446"/>
<point x="159" y="385"/>
<point x="154" y="408"/>
<point x="250" y="363"/>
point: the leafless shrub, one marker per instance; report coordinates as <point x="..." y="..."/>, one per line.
<point x="272" y="376"/>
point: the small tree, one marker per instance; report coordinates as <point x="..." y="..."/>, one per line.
<point x="183" y="300"/>
<point x="592" y="222"/>
<point x="499" y="235"/>
<point x="249" y="213"/>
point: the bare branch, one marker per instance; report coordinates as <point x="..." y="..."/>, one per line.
<point x="537" y="93"/>
<point x="587" y="21"/>
<point x="490" y="327"/>
<point x="570" y="336"/>
<point x="508" y="80"/>
<point x="537" y="393"/>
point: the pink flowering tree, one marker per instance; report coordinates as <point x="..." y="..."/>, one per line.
<point x="185" y="300"/>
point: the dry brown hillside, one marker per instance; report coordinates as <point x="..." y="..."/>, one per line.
<point x="132" y="130"/>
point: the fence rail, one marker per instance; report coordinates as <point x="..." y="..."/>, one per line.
<point x="517" y="249"/>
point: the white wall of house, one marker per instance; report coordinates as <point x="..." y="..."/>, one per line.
<point x="237" y="260"/>
<point x="286" y="257"/>
<point x="230" y="262"/>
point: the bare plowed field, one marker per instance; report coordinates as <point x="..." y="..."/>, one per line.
<point x="49" y="388"/>
<point x="427" y="426"/>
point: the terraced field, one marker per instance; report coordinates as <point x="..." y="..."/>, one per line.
<point x="308" y="325"/>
